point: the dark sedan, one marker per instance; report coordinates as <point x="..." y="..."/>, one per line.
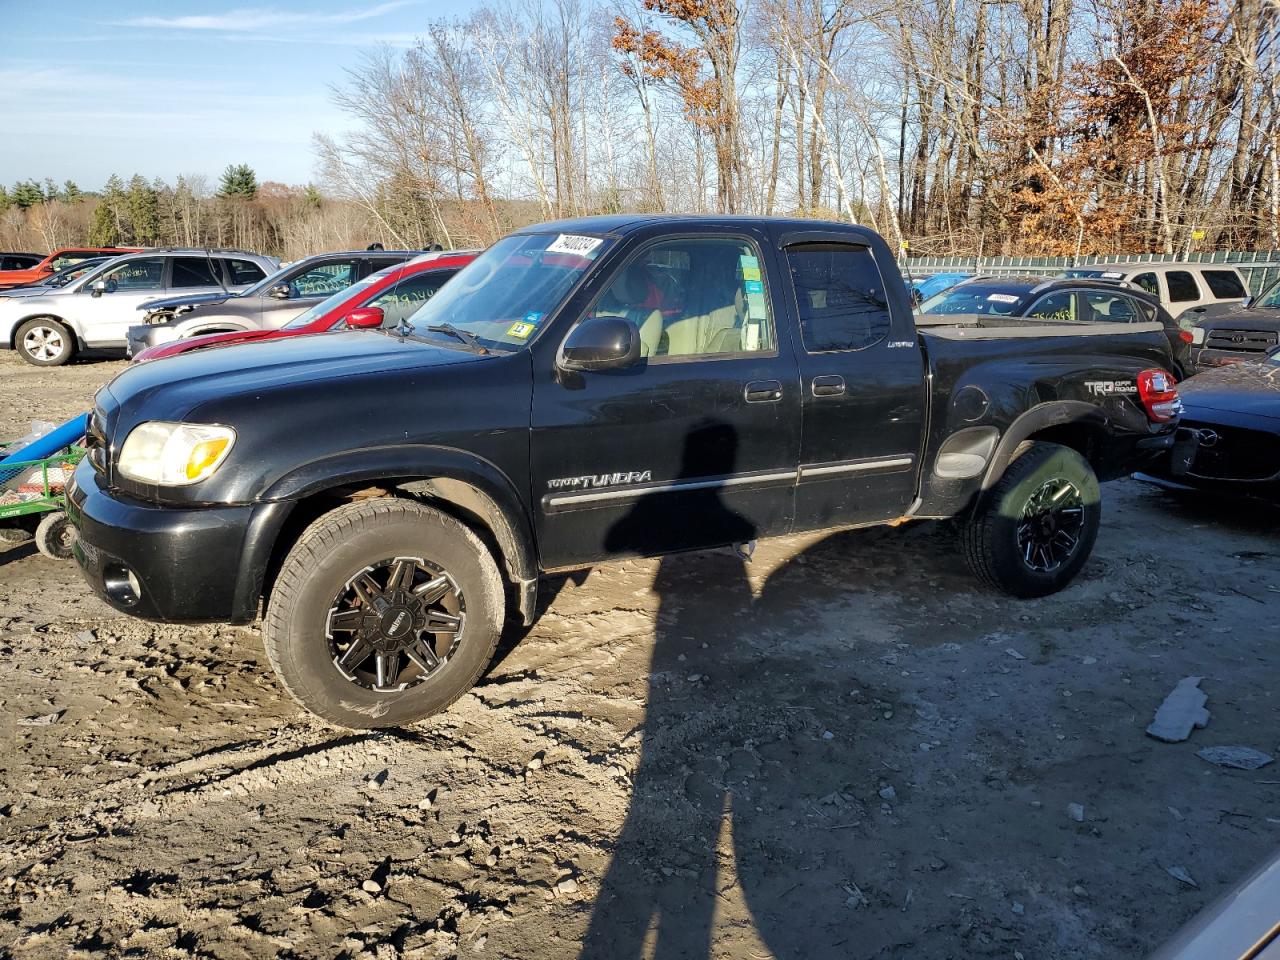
<point x="1062" y="300"/>
<point x="1230" y="430"/>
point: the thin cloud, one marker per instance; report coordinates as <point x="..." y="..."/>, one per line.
<point x="249" y="19"/>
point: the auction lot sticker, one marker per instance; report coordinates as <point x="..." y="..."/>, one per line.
<point x="573" y="244"/>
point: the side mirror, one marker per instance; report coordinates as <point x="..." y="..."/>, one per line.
<point x="601" y="343"/>
<point x="279" y="292"/>
<point x="366" y="318"/>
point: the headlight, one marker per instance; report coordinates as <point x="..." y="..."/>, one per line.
<point x="174" y="454"/>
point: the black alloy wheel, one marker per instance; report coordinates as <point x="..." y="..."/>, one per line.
<point x="395" y="624"/>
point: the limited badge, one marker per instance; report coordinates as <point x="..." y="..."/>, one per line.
<point x="521" y="330"/>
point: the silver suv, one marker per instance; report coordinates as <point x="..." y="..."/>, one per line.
<point x="95" y="311"/>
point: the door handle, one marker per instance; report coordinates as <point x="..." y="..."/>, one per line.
<point x="828" y="386"/>
<point x="763" y="391"/>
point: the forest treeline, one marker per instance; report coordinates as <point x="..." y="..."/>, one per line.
<point x="962" y="126"/>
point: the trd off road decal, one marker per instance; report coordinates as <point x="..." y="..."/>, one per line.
<point x="1107" y="388"/>
<point x="591" y="481"/>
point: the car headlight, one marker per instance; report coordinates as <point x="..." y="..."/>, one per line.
<point x="174" y="454"/>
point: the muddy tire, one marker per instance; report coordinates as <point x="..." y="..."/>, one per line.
<point x="384" y="612"/>
<point x="44" y="342"/>
<point x="55" y="535"/>
<point x="1034" y="529"/>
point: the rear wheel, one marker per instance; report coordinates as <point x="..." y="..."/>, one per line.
<point x="45" y="342"/>
<point x="55" y="536"/>
<point x="384" y="612"/>
<point x="1034" y="530"/>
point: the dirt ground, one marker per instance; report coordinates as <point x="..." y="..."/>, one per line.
<point x="844" y="748"/>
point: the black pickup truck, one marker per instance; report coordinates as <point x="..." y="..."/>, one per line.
<point x="591" y="389"/>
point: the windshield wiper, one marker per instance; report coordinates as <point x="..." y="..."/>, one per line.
<point x="465" y="336"/>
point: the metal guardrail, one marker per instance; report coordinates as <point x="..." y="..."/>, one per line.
<point x="1259" y="267"/>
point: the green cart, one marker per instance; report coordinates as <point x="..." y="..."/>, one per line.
<point x="33" y="501"/>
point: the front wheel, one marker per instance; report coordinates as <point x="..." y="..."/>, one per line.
<point x="384" y="612"/>
<point x="1034" y="529"/>
<point x="45" y="342"/>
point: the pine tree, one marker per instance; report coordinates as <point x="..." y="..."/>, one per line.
<point x="5" y="200"/>
<point x="239" y="181"/>
<point x="107" y="227"/>
<point x="143" y="211"/>
<point x="71" y="193"/>
<point x="27" y="194"/>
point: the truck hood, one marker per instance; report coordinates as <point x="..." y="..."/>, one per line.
<point x="1242" y="318"/>
<point x="173" y="388"/>
<point x="1251" y="388"/>
<point x="195" y="299"/>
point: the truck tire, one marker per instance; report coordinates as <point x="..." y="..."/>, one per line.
<point x="44" y="342"/>
<point x="55" y="535"/>
<point x="347" y="626"/>
<point x="1035" y="528"/>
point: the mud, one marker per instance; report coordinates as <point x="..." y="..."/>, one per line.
<point x="844" y="748"/>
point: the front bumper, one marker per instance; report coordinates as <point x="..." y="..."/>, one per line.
<point x="143" y="335"/>
<point x="192" y="564"/>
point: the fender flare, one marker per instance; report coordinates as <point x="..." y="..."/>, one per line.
<point x="1054" y="413"/>
<point x="464" y="480"/>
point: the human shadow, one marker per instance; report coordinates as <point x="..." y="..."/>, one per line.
<point x="661" y="882"/>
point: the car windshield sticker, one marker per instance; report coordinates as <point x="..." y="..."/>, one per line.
<point x="753" y="286"/>
<point x="1112" y="275"/>
<point x="750" y="272"/>
<point x="1003" y="298"/>
<point x="533" y="318"/>
<point x="576" y="245"/>
<point x="520" y="330"/>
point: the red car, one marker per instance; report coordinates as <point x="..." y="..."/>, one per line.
<point x="58" y="260"/>
<point x="381" y="299"/>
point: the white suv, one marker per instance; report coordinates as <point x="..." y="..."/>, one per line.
<point x="1191" y="288"/>
<point x="95" y="311"/>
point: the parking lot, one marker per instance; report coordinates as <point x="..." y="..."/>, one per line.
<point x="843" y="748"/>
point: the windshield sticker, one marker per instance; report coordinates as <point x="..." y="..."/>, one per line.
<point x="521" y="330"/>
<point x="578" y="246"/>
<point x="753" y="286"/>
<point x="1002" y="298"/>
<point x="755" y="307"/>
<point x="533" y="317"/>
<point x="1112" y="275"/>
<point x="750" y="273"/>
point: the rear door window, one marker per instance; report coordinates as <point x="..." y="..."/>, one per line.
<point x="840" y="295"/>
<point x="1099" y="306"/>
<point x="241" y="272"/>
<point x="1182" y="286"/>
<point x="1224" y="284"/>
<point x="194" y="272"/>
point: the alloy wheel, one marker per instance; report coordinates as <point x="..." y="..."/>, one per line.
<point x="395" y="624"/>
<point x="43" y="343"/>
<point x="1051" y="525"/>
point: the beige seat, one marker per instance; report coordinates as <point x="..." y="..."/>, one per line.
<point x="715" y="322"/>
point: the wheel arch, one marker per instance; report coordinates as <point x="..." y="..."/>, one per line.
<point x="1071" y="423"/>
<point x="43" y="315"/>
<point x="216" y="326"/>
<point x="468" y="487"/>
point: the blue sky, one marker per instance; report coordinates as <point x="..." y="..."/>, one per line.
<point x="92" y="87"/>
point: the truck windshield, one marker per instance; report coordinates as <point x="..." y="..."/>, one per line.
<point x="503" y="296"/>
<point x="998" y="299"/>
